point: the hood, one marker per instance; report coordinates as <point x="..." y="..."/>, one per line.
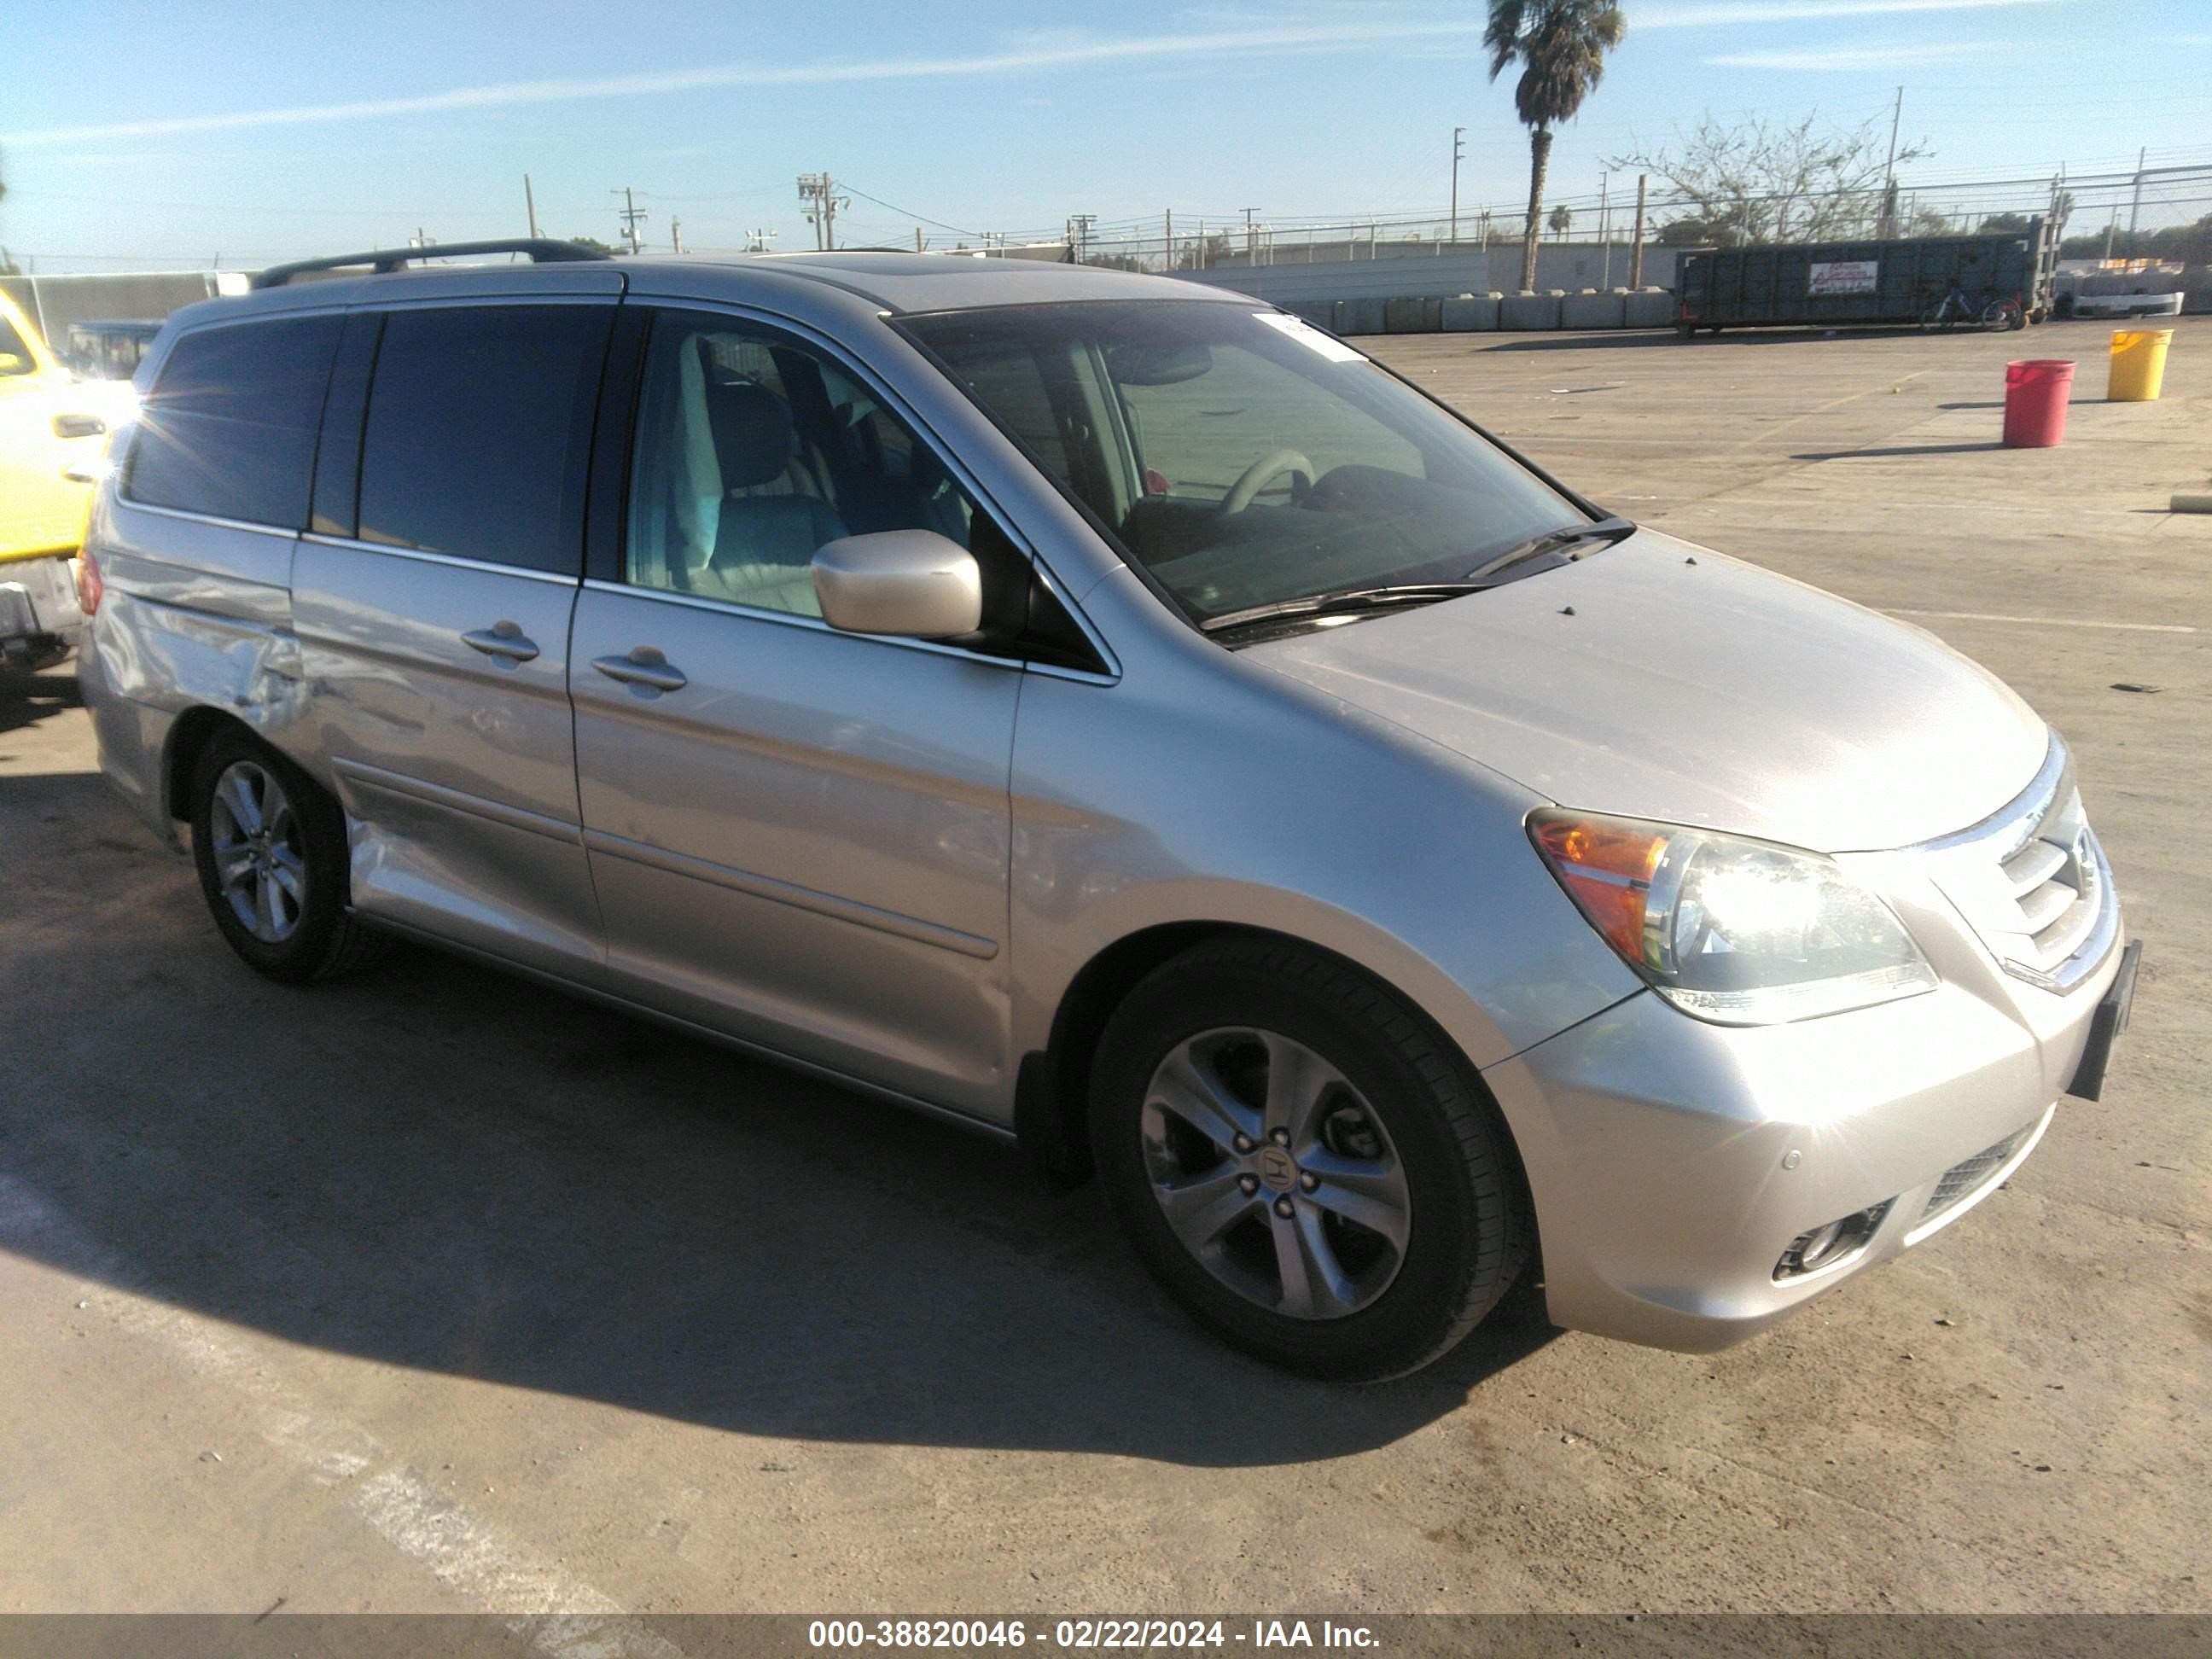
<point x="1694" y="689"/>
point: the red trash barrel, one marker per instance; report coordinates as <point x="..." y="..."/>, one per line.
<point x="2036" y="392"/>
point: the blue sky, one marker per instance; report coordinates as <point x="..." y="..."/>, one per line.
<point x="164" y="133"/>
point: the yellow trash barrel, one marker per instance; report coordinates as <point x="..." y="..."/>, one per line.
<point x="2138" y="364"/>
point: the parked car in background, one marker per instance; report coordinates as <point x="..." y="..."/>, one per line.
<point x="2137" y="303"/>
<point x="1124" y="719"/>
<point x="52" y="431"/>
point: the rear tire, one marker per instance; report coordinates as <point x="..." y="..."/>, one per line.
<point x="1380" y="1229"/>
<point x="270" y="849"/>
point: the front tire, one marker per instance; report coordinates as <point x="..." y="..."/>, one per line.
<point x="270" y="849"/>
<point x="1303" y="1163"/>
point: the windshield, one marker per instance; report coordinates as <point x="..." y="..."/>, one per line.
<point x="1240" y="457"/>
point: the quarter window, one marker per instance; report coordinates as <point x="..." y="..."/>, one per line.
<point x="14" y="355"/>
<point x="229" y="429"/>
<point x="479" y="419"/>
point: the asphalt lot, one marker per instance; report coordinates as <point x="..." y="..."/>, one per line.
<point x="435" y="1291"/>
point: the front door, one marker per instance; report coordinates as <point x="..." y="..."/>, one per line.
<point x="797" y="836"/>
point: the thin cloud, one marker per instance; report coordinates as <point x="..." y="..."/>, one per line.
<point x="1792" y="11"/>
<point x="1052" y="52"/>
<point x="1833" y="59"/>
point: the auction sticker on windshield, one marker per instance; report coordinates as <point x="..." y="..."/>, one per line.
<point x="1309" y="337"/>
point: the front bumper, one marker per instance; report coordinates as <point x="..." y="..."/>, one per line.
<point x="1673" y="1162"/>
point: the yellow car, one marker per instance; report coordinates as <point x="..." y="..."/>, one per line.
<point x="52" y="430"/>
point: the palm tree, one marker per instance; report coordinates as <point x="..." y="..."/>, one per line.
<point x="1561" y="46"/>
<point x="1562" y="221"/>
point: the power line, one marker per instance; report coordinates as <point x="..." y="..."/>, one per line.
<point x="906" y="213"/>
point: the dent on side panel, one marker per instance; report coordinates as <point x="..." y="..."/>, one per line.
<point x="206" y="622"/>
<point x="1201" y="790"/>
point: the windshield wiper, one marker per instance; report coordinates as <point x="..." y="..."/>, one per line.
<point x="1553" y="541"/>
<point x="1342" y="602"/>
<point x="1348" y="601"/>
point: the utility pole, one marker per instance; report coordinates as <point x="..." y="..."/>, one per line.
<point x="1636" y="252"/>
<point x="530" y="207"/>
<point x="1888" y="227"/>
<point x="818" y="195"/>
<point x="418" y="240"/>
<point x="1170" y="219"/>
<point x="676" y="235"/>
<point x="1078" y="234"/>
<point x="2134" y="210"/>
<point x="632" y="217"/>
<point x="1459" y="149"/>
<point x="1605" y="224"/>
<point x="757" y="241"/>
<point x="1251" y="237"/>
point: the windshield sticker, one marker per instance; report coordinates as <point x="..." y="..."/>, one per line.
<point x="1309" y="337"/>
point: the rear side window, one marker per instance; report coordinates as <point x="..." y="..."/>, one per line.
<point x="479" y="423"/>
<point x="229" y="429"/>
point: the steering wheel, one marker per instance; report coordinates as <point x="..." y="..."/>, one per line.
<point x="1263" y="472"/>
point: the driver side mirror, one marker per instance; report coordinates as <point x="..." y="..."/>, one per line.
<point x="912" y="584"/>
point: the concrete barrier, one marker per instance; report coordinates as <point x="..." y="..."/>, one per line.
<point x="1471" y="314"/>
<point x="1593" y="308"/>
<point x="1521" y="313"/>
<point x="1359" y="317"/>
<point x="1467" y="313"/>
<point x="1411" y="316"/>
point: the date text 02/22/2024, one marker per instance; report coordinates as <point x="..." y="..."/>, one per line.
<point x="1086" y="1634"/>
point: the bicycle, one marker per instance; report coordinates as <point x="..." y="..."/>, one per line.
<point x="1996" y="317"/>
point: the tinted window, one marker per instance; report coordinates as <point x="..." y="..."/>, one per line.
<point x="478" y="424"/>
<point x="229" y="428"/>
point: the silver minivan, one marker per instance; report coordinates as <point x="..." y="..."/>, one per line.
<point x="1113" y="715"/>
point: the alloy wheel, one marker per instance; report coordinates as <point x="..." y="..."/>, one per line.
<point x="259" y="845"/>
<point x="1275" y="1174"/>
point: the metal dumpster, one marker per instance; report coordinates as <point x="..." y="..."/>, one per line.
<point x="1825" y="284"/>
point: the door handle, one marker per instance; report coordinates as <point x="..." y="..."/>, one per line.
<point x="645" y="667"/>
<point x="502" y="639"/>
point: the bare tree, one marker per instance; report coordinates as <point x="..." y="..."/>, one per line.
<point x="1757" y="181"/>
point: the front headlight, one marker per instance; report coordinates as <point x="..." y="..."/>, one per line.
<point x="1739" y="932"/>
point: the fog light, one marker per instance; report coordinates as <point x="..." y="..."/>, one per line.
<point x="1828" y="1244"/>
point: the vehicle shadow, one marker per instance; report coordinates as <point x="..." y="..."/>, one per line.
<point x="436" y="1165"/>
<point x="1901" y="449"/>
<point x="27" y="698"/>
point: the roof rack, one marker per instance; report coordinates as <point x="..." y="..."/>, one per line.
<point x="542" y="250"/>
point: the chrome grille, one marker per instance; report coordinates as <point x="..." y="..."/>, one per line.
<point x="2032" y="882"/>
<point x="1965" y="1178"/>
